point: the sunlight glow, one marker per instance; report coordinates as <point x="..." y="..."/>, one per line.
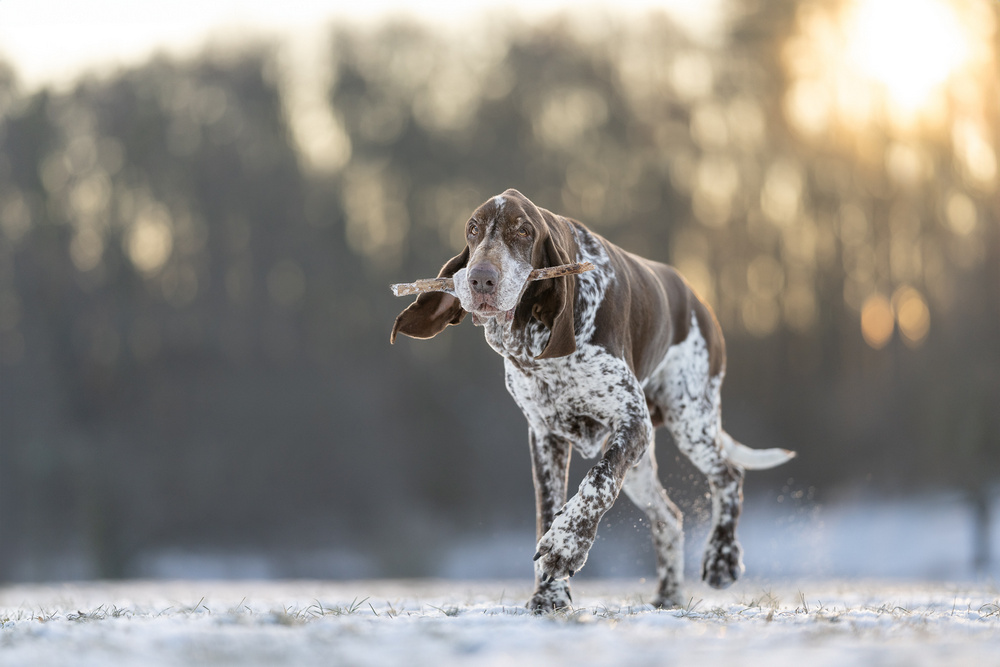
<point x="910" y="46"/>
<point x="905" y="65"/>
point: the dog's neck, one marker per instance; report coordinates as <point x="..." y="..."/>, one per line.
<point x="520" y="344"/>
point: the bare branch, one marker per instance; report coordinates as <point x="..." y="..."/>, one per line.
<point x="448" y="285"/>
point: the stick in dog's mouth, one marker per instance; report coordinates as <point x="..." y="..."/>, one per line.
<point x="448" y="285"/>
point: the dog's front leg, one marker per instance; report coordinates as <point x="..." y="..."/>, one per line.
<point x="550" y="456"/>
<point x="563" y="549"/>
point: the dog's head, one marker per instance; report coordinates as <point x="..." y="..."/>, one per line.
<point x="506" y="238"/>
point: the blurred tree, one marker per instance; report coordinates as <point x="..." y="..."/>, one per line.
<point x="194" y="320"/>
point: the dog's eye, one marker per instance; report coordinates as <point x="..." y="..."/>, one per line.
<point x="473" y="229"/>
<point x="524" y="231"/>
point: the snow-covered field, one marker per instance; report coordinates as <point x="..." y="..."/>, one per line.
<point x="427" y="622"/>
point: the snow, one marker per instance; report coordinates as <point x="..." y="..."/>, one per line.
<point x="853" y="582"/>
<point x="435" y="622"/>
<point x="927" y="537"/>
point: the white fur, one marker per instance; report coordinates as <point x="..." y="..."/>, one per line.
<point x="754" y="459"/>
<point x="513" y="281"/>
<point x="683" y="380"/>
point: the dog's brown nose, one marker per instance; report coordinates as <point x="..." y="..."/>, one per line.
<point x="483" y="278"/>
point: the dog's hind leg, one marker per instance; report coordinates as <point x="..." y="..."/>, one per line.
<point x="693" y="422"/>
<point x="643" y="487"/>
<point x="688" y="396"/>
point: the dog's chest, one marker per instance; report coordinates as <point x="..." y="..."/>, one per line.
<point x="581" y="397"/>
<point x="585" y="395"/>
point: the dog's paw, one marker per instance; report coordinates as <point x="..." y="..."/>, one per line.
<point x="669" y="598"/>
<point x="723" y="562"/>
<point x="668" y="602"/>
<point x="550" y="595"/>
<point x="563" y="550"/>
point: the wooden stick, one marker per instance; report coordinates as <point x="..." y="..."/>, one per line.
<point x="448" y="285"/>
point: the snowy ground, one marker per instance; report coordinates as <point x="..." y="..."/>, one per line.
<point x="443" y="623"/>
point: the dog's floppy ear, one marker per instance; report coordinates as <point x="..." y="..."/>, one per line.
<point x="432" y="312"/>
<point x="552" y="301"/>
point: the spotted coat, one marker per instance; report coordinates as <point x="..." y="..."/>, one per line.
<point x="596" y="362"/>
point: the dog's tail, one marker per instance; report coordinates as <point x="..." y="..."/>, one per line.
<point x="754" y="459"/>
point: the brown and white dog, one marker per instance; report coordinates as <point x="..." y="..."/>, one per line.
<point x="596" y="362"/>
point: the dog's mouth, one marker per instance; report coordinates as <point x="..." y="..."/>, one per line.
<point x="487" y="308"/>
<point x="486" y="311"/>
<point x="496" y="304"/>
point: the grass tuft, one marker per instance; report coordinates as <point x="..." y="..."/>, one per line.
<point x="450" y="611"/>
<point x="990" y="610"/>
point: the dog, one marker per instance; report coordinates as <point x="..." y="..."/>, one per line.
<point x="596" y="362"/>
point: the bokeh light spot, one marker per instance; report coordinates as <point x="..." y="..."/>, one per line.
<point x="782" y="193"/>
<point x="973" y="150"/>
<point x="150" y="240"/>
<point x="877" y="321"/>
<point x="961" y="214"/>
<point x="912" y="314"/>
<point x="691" y="75"/>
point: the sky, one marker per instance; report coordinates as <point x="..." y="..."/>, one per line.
<point x="51" y="42"/>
